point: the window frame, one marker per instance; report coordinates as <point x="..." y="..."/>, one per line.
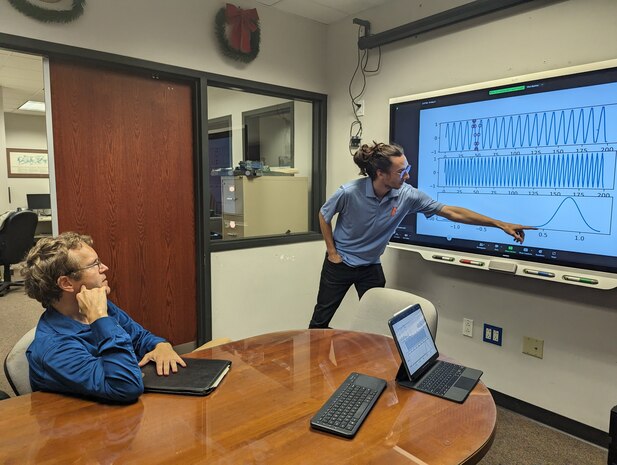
<point x="318" y="169"/>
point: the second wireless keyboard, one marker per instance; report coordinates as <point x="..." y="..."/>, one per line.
<point x="345" y="410"/>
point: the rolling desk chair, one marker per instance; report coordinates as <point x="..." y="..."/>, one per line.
<point x="16" y="239"/>
<point x="16" y="367"/>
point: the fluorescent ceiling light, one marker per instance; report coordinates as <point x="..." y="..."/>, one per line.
<point x="32" y="105"/>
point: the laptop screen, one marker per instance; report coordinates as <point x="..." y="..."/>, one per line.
<point x="413" y="338"/>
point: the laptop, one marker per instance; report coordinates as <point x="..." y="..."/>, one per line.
<point x="420" y="369"/>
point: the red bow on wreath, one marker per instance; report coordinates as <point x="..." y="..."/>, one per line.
<point x="241" y="23"/>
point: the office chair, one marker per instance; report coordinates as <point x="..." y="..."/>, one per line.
<point x="16" y="367"/>
<point x="16" y="239"/>
<point x="377" y="306"/>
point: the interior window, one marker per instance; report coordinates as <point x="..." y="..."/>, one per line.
<point x="261" y="158"/>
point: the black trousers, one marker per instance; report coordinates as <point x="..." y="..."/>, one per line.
<point x="336" y="279"/>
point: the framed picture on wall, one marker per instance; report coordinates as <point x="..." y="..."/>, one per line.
<point x="27" y="163"/>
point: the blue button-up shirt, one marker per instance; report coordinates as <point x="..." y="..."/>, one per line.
<point x="365" y="223"/>
<point x="98" y="360"/>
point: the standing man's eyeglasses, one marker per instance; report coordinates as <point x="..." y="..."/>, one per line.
<point x="407" y="169"/>
<point x="96" y="263"/>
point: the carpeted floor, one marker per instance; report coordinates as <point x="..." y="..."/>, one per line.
<point x="518" y="440"/>
<point x="521" y="441"/>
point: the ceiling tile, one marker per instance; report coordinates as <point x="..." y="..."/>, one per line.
<point x="312" y="10"/>
<point x="21" y="79"/>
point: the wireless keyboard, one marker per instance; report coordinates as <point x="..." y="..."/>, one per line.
<point x="345" y="410"/>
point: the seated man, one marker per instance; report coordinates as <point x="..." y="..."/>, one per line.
<point x="85" y="344"/>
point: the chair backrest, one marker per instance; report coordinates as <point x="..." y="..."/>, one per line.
<point x="17" y="236"/>
<point x="16" y="367"/>
<point x="378" y="304"/>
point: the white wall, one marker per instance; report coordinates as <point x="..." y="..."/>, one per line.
<point x="578" y="374"/>
<point x="266" y="289"/>
<point x="181" y="33"/>
<point x="24" y="132"/>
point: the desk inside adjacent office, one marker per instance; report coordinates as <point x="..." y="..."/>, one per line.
<point x="43" y="227"/>
<point x="259" y="414"/>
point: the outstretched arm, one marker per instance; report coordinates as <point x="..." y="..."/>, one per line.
<point x="464" y="215"/>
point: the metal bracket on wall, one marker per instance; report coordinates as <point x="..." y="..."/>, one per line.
<point x="365" y="24"/>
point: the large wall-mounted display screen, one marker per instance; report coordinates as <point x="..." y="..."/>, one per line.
<point x="539" y="152"/>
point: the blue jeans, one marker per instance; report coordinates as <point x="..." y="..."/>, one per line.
<point x="336" y="279"/>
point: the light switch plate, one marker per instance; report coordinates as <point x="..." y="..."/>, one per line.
<point x="533" y="347"/>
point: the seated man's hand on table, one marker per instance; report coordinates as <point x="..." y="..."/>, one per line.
<point x="165" y="357"/>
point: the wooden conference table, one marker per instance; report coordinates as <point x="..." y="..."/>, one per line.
<point x="259" y="414"/>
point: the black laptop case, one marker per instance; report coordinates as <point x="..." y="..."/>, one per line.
<point x="199" y="378"/>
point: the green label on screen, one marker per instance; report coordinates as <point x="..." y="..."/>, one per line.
<point x="507" y="89"/>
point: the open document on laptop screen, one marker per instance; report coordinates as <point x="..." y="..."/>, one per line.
<point x="414" y="339"/>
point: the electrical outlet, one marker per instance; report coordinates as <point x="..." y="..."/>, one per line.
<point x="468" y="327"/>
<point x="360" y="108"/>
<point x="533" y="347"/>
<point x="492" y="334"/>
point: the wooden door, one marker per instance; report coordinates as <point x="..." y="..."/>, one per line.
<point x="123" y="154"/>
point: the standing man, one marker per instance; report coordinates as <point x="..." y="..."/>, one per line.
<point x="85" y="344"/>
<point x="369" y="211"/>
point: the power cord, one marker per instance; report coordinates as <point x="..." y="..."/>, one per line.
<point x="355" y="129"/>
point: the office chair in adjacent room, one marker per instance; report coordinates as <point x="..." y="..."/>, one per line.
<point x="377" y="306"/>
<point x="16" y="239"/>
<point x="16" y="367"/>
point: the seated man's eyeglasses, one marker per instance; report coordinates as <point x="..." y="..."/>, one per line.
<point x="96" y="263"/>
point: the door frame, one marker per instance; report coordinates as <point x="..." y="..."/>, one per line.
<point x="200" y="80"/>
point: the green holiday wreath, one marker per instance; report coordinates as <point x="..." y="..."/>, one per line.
<point x="47" y="15"/>
<point x="226" y="47"/>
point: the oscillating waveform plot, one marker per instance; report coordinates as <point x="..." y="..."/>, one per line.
<point x="590" y="215"/>
<point x="595" y="170"/>
<point x="584" y="125"/>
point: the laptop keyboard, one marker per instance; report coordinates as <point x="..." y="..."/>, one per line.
<point x="345" y="410"/>
<point x="441" y="378"/>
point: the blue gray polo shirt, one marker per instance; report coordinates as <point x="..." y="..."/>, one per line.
<point x="365" y="223"/>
